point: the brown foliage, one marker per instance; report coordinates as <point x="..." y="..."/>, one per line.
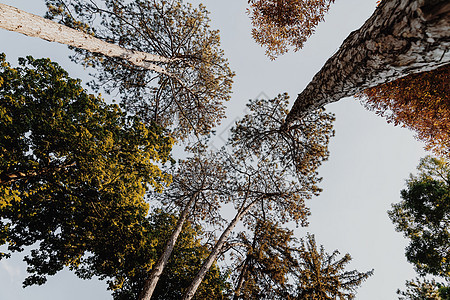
<point x="419" y="102"/>
<point x="279" y="24"/>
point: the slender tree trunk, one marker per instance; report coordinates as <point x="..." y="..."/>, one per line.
<point x="152" y="280"/>
<point x="16" y="20"/>
<point x="400" y="38"/>
<point x="237" y="291"/>
<point x="190" y="292"/>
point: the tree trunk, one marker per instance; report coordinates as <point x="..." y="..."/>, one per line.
<point x="152" y="280"/>
<point x="190" y="292"/>
<point x="237" y="291"/>
<point x="400" y="38"/>
<point x="16" y="20"/>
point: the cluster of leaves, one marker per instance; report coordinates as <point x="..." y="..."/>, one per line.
<point x="276" y="266"/>
<point x="419" y="102"/>
<point x="426" y="289"/>
<point x="73" y="170"/>
<point x="281" y="24"/>
<point x="188" y="101"/>
<point x="423" y="216"/>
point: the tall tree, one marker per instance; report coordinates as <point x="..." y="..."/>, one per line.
<point x="161" y="56"/>
<point x="271" y="171"/>
<point x="276" y="266"/>
<point x="14" y="19"/>
<point x="127" y="275"/>
<point x="322" y="276"/>
<point x="279" y="24"/>
<point x="401" y="37"/>
<point x="190" y="101"/>
<point x="420" y="102"/>
<point x="73" y="170"/>
<point x="198" y="190"/>
<point x="423" y="216"/>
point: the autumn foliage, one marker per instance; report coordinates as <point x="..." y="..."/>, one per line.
<point x="419" y="102"/>
<point x="280" y="24"/>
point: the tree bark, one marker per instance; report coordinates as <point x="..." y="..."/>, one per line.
<point x="152" y="280"/>
<point x="190" y="292"/>
<point x="400" y="38"/>
<point x="14" y="19"/>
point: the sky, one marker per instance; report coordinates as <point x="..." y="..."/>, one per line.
<point x="367" y="168"/>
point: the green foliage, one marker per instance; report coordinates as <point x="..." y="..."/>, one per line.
<point x="424" y="290"/>
<point x="423" y="216"/>
<point x="128" y="276"/>
<point x="277" y="266"/>
<point x="322" y="276"/>
<point x="265" y="269"/>
<point x="73" y="170"/>
<point x="191" y="101"/>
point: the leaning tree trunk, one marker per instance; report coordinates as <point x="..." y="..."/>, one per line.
<point x="152" y="280"/>
<point x="401" y="37"/>
<point x="190" y="292"/>
<point x="16" y="20"/>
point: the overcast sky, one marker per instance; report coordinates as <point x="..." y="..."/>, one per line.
<point x="369" y="161"/>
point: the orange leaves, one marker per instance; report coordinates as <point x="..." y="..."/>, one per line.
<point x="419" y="102"/>
<point x="280" y="24"/>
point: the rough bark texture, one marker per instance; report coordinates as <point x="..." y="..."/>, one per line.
<point x="401" y="37"/>
<point x="152" y="280"/>
<point x="190" y="292"/>
<point x="16" y="20"/>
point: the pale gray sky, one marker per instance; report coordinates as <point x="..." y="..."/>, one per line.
<point x="369" y="160"/>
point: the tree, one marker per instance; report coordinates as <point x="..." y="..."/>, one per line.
<point x="424" y="290"/>
<point x="321" y="276"/>
<point x="270" y="171"/>
<point x="402" y="37"/>
<point x="128" y="276"/>
<point x="264" y="267"/>
<point x="198" y="190"/>
<point x="419" y="102"/>
<point x="423" y="216"/>
<point x="16" y="20"/>
<point x="162" y="57"/>
<point x="276" y="266"/>
<point x="73" y="170"/>
<point x="189" y="101"/>
<point x="278" y="24"/>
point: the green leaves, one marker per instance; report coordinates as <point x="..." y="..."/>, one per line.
<point x="423" y="216"/>
<point x="73" y="170"/>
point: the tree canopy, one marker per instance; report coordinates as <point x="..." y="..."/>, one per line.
<point x="423" y="216"/>
<point x="280" y="24"/>
<point x="419" y="102"/>
<point x="278" y="266"/>
<point x="190" y="101"/>
<point x="74" y="170"/>
<point x="424" y="289"/>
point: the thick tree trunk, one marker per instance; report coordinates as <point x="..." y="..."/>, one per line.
<point x="16" y="20"/>
<point x="401" y="37"/>
<point x="152" y="280"/>
<point x="190" y="292"/>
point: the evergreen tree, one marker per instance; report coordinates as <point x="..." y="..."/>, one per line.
<point x="423" y="216"/>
